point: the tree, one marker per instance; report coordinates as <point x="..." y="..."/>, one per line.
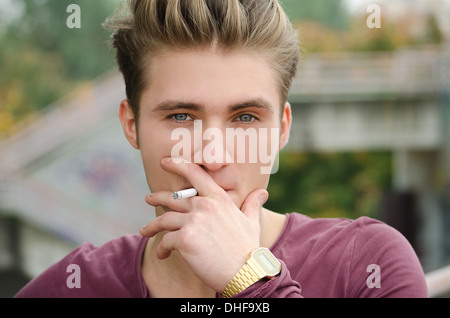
<point x="82" y="51"/>
<point x="330" y="184"/>
<point x="330" y="13"/>
<point x="42" y="59"/>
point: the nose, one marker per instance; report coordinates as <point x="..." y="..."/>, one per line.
<point x="211" y="153"/>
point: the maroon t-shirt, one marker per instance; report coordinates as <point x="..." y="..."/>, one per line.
<point x="320" y="258"/>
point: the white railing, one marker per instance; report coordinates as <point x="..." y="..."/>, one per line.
<point x="414" y="71"/>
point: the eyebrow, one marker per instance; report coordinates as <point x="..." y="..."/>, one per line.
<point x="173" y="105"/>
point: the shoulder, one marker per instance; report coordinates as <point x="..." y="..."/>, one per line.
<point x="363" y="229"/>
<point x="382" y="251"/>
<point x="354" y="248"/>
<point x="109" y="270"/>
<point x="302" y="227"/>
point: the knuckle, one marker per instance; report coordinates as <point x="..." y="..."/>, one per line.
<point x="185" y="235"/>
<point x="162" y="220"/>
<point x="167" y="221"/>
<point x="164" y="241"/>
<point x="195" y="219"/>
<point x="206" y="204"/>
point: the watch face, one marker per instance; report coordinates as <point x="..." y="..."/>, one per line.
<point x="267" y="261"/>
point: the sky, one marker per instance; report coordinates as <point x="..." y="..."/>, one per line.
<point x="9" y="10"/>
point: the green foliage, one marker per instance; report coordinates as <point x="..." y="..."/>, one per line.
<point x="326" y="26"/>
<point x="83" y="52"/>
<point x="330" y="184"/>
<point x="433" y="33"/>
<point x="330" y="13"/>
<point x="41" y="59"/>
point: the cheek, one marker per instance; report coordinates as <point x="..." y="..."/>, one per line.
<point x="154" y="146"/>
<point x="153" y="172"/>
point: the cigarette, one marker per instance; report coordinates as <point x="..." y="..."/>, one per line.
<point x="184" y="194"/>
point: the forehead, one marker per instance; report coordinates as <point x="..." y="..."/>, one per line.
<point x="210" y="78"/>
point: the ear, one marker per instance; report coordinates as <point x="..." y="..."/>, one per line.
<point x="126" y="117"/>
<point x="286" y="121"/>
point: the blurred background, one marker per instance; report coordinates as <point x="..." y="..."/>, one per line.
<point x="371" y="131"/>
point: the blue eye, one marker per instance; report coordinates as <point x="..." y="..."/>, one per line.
<point x="246" y="118"/>
<point x="181" y="117"/>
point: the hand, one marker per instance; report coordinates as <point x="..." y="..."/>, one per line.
<point x="212" y="235"/>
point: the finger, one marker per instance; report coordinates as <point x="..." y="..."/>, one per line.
<point x="167" y="245"/>
<point x="165" y="198"/>
<point x="254" y="202"/>
<point x="169" y="221"/>
<point x="192" y="172"/>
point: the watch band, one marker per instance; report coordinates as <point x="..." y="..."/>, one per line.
<point x="249" y="274"/>
<point x="246" y="277"/>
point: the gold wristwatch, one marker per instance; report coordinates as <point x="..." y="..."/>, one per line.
<point x="260" y="263"/>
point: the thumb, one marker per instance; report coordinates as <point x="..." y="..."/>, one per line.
<point x="254" y="202"/>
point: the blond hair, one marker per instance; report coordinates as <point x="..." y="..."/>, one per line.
<point x="147" y="27"/>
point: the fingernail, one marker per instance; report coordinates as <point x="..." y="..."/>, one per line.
<point x="263" y="198"/>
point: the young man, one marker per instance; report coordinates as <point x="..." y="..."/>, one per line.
<point x="221" y="69"/>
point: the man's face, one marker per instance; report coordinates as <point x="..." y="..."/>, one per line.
<point x="194" y="100"/>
